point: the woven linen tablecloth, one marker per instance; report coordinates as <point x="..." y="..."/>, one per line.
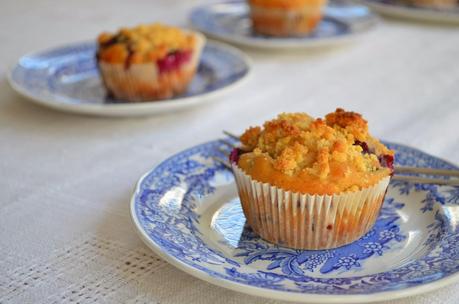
<point x="66" y="180"/>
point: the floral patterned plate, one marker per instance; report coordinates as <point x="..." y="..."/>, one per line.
<point x="67" y="79"/>
<point x="229" y="21"/>
<point x="187" y="210"/>
<point x="395" y="8"/>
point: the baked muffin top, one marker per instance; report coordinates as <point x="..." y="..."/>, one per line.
<point x="284" y="4"/>
<point x="318" y="156"/>
<point x="143" y="43"/>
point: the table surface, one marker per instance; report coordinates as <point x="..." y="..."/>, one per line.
<point x="66" y="180"/>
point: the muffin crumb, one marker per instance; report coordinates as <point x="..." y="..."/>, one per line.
<point x="337" y="152"/>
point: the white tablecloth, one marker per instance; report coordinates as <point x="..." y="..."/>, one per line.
<point x="66" y="180"/>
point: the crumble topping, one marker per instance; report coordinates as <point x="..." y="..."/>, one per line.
<point x="144" y="43"/>
<point x="296" y="143"/>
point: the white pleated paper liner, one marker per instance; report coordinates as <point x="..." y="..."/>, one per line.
<point x="144" y="82"/>
<point x="305" y="221"/>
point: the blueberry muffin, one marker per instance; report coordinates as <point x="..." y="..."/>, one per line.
<point x="285" y="17"/>
<point x="148" y="62"/>
<point x="310" y="183"/>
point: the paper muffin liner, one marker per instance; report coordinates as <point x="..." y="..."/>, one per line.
<point x="143" y="82"/>
<point x="305" y="221"/>
<point x="282" y="22"/>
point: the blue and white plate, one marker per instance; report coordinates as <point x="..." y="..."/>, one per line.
<point x="67" y="79"/>
<point x="187" y="210"/>
<point x="393" y="8"/>
<point x="229" y="21"/>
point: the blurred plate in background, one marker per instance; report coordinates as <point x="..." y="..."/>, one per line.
<point x="229" y="21"/>
<point x="394" y="9"/>
<point x="67" y="79"/>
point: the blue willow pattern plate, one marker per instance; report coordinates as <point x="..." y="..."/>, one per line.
<point x="396" y="8"/>
<point x="67" y="79"/>
<point x="230" y="21"/>
<point x="188" y="211"/>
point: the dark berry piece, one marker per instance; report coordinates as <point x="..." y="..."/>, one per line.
<point x="363" y="145"/>
<point x="234" y="155"/>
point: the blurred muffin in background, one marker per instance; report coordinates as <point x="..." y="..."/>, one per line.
<point x="148" y="62"/>
<point x="285" y="17"/>
<point x="437" y="4"/>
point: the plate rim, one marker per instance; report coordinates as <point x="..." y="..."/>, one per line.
<point x="409" y="13"/>
<point x="276" y="44"/>
<point x="130" y="109"/>
<point x="278" y="294"/>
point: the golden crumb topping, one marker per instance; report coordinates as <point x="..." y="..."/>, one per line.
<point x="143" y="43"/>
<point x="338" y="152"/>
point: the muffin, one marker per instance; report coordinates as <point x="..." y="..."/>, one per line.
<point x="436" y="4"/>
<point x="309" y="183"/>
<point x="285" y="17"/>
<point x="148" y="62"/>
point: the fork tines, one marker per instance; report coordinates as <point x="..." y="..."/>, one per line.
<point x="229" y="134"/>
